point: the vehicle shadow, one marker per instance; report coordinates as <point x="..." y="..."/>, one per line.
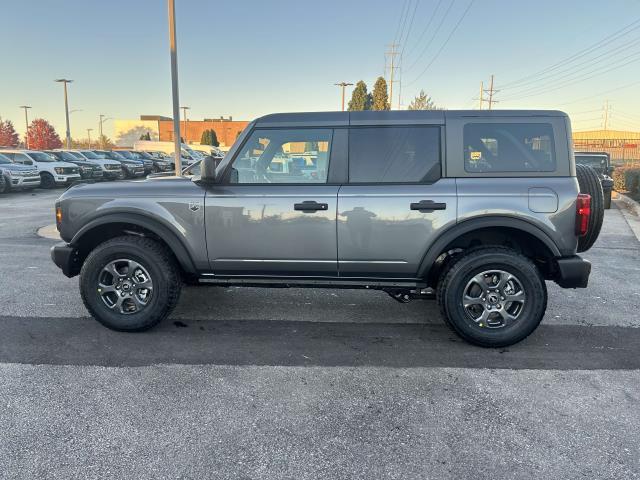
<point x="82" y="341"/>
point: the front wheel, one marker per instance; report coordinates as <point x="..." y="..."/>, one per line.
<point x="607" y="200"/>
<point x="130" y="283"/>
<point x="47" y="180"/>
<point x="492" y="296"/>
<point x="4" y="184"/>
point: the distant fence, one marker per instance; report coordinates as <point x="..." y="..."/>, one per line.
<point x="622" y="152"/>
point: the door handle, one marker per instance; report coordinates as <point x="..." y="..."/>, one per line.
<point x="428" y="206"/>
<point x="310" y="206"/>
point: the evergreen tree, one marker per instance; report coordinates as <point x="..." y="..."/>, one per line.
<point x="359" y="98"/>
<point x="380" y="98"/>
<point x="422" y="102"/>
<point x="214" y="138"/>
<point x="205" y="138"/>
<point x="145" y="136"/>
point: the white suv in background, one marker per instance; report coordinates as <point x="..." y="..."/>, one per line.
<point x="52" y="172"/>
<point x="111" y="169"/>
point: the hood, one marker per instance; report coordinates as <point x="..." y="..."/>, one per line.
<point x="57" y="164"/>
<point x="14" y="167"/>
<point x="169" y="187"/>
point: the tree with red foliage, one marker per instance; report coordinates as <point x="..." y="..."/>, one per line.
<point x="42" y="135"/>
<point x="8" y="135"/>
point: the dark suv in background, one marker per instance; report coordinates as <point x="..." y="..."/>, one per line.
<point x="601" y="163"/>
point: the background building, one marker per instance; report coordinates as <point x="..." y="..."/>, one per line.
<point x="622" y="146"/>
<point x="161" y="128"/>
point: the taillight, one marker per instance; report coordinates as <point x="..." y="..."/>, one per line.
<point x="583" y="212"/>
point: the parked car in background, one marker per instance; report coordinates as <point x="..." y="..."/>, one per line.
<point x="88" y="170"/>
<point x="130" y="168"/>
<point x="147" y="162"/>
<point x="187" y="154"/>
<point x="111" y="170"/>
<point x="52" y="171"/>
<point x="601" y="163"/>
<point x="17" y="177"/>
<point x="157" y="164"/>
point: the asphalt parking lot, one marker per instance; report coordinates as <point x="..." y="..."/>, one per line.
<point x="293" y="383"/>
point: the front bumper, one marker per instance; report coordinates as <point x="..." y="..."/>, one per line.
<point x="112" y="174"/>
<point x="66" y="258"/>
<point x="67" y="179"/>
<point x="24" y="182"/>
<point x="572" y="272"/>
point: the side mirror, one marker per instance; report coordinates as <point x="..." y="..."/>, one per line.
<point x="208" y="170"/>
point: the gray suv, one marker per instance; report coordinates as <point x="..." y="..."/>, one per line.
<point x="478" y="207"/>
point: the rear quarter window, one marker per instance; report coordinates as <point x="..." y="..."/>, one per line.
<point x="509" y="147"/>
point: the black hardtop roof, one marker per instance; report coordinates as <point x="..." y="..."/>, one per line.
<point x="391" y="116"/>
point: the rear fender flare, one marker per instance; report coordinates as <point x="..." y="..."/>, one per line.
<point x="480" y="223"/>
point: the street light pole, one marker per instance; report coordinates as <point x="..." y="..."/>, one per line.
<point x="174" y="86"/>
<point x="101" y="121"/>
<point x="89" y="130"/>
<point x="343" y="85"/>
<point x="186" y="130"/>
<point x="26" y="122"/>
<point x="66" y="109"/>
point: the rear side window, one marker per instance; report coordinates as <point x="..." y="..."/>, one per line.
<point x="508" y="147"/>
<point x="394" y="154"/>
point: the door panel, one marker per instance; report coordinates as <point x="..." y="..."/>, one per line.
<point x="380" y="234"/>
<point x="257" y="230"/>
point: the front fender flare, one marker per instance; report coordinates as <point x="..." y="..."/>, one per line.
<point x="162" y="231"/>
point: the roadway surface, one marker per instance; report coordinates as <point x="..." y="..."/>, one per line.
<point x="275" y="383"/>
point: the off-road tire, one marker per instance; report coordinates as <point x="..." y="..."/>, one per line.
<point x="455" y="277"/>
<point x="47" y="180"/>
<point x="590" y="183"/>
<point x="160" y="265"/>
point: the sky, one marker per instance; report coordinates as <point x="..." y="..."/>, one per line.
<point x="247" y="58"/>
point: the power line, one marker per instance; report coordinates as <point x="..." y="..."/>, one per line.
<point x="433" y="15"/>
<point x="413" y="16"/>
<point x="572" y="69"/>
<point x="432" y="36"/>
<point x="590" y="97"/>
<point x="400" y="20"/>
<point x="605" y="41"/>
<point x="464" y="14"/>
<point x="586" y="76"/>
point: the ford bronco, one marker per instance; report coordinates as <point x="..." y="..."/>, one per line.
<point x="478" y="208"/>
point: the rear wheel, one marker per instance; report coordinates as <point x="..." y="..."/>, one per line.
<point x="130" y="283"/>
<point x="492" y="296"/>
<point x="47" y="180"/>
<point x="590" y="184"/>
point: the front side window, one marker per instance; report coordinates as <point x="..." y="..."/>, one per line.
<point x="284" y="156"/>
<point x="508" y="147"/>
<point x="394" y="154"/>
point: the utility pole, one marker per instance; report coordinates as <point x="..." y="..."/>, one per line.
<point x="491" y="91"/>
<point x="26" y="123"/>
<point x="184" y="115"/>
<point x="174" y="86"/>
<point x="89" y="130"/>
<point x="343" y="85"/>
<point x="391" y="53"/>
<point x="481" y="98"/>
<point x="100" y="122"/>
<point x="605" y="112"/>
<point x="66" y="110"/>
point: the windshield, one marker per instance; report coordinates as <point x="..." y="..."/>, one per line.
<point x="89" y="154"/>
<point x="126" y="154"/>
<point x="113" y="155"/>
<point x="42" y="157"/>
<point x="65" y="156"/>
<point x="4" y="159"/>
<point x="597" y="161"/>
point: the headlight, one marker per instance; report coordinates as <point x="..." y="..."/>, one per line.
<point x="59" y="170"/>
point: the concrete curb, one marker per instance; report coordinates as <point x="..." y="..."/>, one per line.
<point x="50" y="232"/>
<point x="630" y="210"/>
